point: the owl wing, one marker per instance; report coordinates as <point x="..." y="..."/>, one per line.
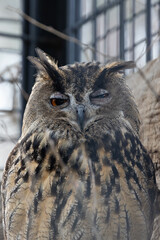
<point x="30" y="181"/>
<point x="10" y="160"/>
<point x="19" y="187"/>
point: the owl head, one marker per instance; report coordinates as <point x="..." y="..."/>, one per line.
<point x="80" y="95"/>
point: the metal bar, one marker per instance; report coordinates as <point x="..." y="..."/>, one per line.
<point x="10" y="111"/>
<point x="70" y="22"/>
<point x="8" y="139"/>
<point x="25" y="74"/>
<point x="148" y="29"/>
<point x="11" y="81"/>
<point x="9" y="50"/>
<point x="10" y="20"/>
<point x="159" y="23"/>
<point x="10" y="35"/>
<point x="77" y="7"/>
<point x="122" y="12"/>
<point x="105" y="27"/>
<point x="29" y="37"/>
<point x="94" y="54"/>
<point x="133" y="29"/>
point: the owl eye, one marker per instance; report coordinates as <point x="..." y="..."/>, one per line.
<point x="104" y="95"/>
<point x="58" y="99"/>
<point x="100" y="97"/>
<point x="56" y="102"/>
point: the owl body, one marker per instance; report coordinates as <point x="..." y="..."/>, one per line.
<point x="79" y="170"/>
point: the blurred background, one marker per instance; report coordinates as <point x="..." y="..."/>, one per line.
<point x="114" y="29"/>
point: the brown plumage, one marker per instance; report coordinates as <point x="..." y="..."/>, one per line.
<point x="79" y="170"/>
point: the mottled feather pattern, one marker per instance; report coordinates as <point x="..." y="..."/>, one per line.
<point x="70" y="181"/>
<point x="78" y="189"/>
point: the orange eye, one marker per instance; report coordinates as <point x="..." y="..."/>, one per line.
<point x="58" y="101"/>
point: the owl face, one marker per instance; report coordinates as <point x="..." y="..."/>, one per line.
<point x="81" y="95"/>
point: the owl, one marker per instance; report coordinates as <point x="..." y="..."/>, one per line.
<point x="79" y="170"/>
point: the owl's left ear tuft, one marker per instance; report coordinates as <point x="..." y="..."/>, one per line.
<point x="119" y="66"/>
<point x="45" y="64"/>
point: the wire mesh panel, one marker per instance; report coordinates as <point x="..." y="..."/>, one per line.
<point x="116" y="29"/>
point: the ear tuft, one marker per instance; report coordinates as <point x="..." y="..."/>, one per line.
<point x="36" y="62"/>
<point x="49" y="70"/>
<point x="45" y="58"/>
<point x="119" y="66"/>
<point x="45" y="64"/>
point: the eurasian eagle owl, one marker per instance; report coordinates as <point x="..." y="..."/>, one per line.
<point x="79" y="170"/>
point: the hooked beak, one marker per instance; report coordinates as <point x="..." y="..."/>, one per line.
<point x="81" y="115"/>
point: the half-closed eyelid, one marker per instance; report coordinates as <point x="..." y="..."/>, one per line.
<point x="98" y="93"/>
<point x="101" y="95"/>
<point x="59" y="95"/>
<point x="59" y="99"/>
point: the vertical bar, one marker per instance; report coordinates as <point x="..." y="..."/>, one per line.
<point x="159" y="21"/>
<point x="122" y="12"/>
<point x="24" y="57"/>
<point x="148" y="29"/>
<point x="70" y="21"/>
<point x="133" y="29"/>
<point x="77" y="32"/>
<point x="94" y="55"/>
<point x="29" y="30"/>
<point x="105" y="34"/>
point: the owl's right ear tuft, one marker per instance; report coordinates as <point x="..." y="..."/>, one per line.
<point x="49" y="70"/>
<point x="45" y="64"/>
<point x="36" y="62"/>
